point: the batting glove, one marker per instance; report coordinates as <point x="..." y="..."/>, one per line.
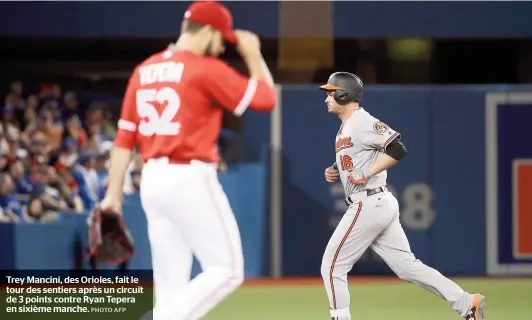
<point x="359" y="176"/>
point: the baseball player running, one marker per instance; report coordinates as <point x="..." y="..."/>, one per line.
<point x="365" y="149"/>
<point x="172" y="110"/>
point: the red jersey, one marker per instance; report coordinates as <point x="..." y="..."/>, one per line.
<point x="173" y="105"/>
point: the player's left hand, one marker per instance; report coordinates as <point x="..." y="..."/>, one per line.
<point x="359" y="175"/>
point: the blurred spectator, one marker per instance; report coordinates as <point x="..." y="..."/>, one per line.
<point x="3" y="163"/>
<point x="69" y="189"/>
<point x="46" y="194"/>
<point x="68" y="152"/>
<point x="46" y="94"/>
<point x="29" y="124"/>
<point x="11" y="207"/>
<point x="75" y="130"/>
<point x="56" y="114"/>
<point x="108" y="123"/>
<point x="22" y="182"/>
<point x="32" y="102"/>
<point x="53" y="133"/>
<point x="105" y="149"/>
<point x="87" y="178"/>
<point x="101" y="171"/>
<point x="10" y="124"/>
<point x="13" y="147"/>
<point x="71" y="103"/>
<point x="37" y="149"/>
<point x="97" y="128"/>
<point x="3" y="217"/>
<point x="56" y="95"/>
<point x="17" y="91"/>
<point x="17" y="88"/>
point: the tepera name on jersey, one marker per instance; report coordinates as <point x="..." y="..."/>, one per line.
<point x="161" y="72"/>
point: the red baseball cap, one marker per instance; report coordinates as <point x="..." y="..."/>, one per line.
<point x="213" y="14"/>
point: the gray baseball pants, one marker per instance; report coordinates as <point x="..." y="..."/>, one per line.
<point x="373" y="221"/>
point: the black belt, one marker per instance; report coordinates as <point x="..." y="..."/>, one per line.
<point x="369" y="193"/>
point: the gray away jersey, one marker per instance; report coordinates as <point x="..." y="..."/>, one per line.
<point x="359" y="142"/>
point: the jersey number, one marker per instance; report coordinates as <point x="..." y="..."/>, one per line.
<point x="346" y="162"/>
<point x="151" y="123"/>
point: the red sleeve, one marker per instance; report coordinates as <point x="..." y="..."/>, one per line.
<point x="236" y="92"/>
<point x="129" y="119"/>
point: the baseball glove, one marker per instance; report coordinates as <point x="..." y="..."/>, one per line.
<point x="109" y="239"/>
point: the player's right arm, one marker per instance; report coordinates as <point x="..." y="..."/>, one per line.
<point x="122" y="149"/>
<point x="381" y="137"/>
<point x="235" y="92"/>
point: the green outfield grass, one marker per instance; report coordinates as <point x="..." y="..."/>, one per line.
<point x="508" y="299"/>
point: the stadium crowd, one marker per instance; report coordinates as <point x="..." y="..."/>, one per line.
<point x="54" y="152"/>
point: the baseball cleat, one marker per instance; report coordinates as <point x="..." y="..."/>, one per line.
<point x="477" y="310"/>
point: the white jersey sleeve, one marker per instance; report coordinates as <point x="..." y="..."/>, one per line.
<point x="377" y="134"/>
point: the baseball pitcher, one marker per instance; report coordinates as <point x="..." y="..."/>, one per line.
<point x="172" y="111"/>
<point x="365" y="149"/>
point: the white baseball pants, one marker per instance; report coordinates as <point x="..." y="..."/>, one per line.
<point x="373" y="222"/>
<point x="188" y="213"/>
